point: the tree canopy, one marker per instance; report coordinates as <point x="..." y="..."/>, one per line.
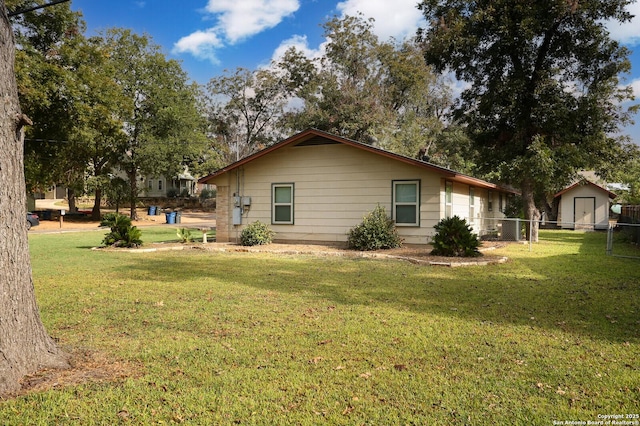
<point x="101" y="105"/>
<point x="162" y="122"/>
<point x="544" y="96"/>
<point x="372" y="91"/>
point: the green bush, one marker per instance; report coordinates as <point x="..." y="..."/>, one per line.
<point x="205" y="194"/>
<point x="256" y="233"/>
<point x="454" y="238"/>
<point x="377" y="231"/>
<point x="122" y="233"/>
<point x="184" y="235"/>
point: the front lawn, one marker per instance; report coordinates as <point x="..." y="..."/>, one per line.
<point x="239" y="338"/>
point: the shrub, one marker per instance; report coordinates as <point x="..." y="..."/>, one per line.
<point x="184" y="235"/>
<point x="256" y="233"/>
<point x="122" y="233"/>
<point x="454" y="237"/>
<point x="377" y="231"/>
<point x="205" y="194"/>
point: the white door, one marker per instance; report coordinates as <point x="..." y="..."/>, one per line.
<point x="584" y="212"/>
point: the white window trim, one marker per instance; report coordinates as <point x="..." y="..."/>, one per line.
<point x="448" y="203"/>
<point x="416" y="204"/>
<point x="472" y="205"/>
<point x="274" y="204"/>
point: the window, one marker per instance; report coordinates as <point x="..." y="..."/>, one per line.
<point x="490" y="201"/>
<point x="282" y="203"/>
<point x="500" y="203"/>
<point x="448" y="198"/>
<point x="472" y="204"/>
<point x="150" y="184"/>
<point x="406" y="202"/>
<point x="159" y="185"/>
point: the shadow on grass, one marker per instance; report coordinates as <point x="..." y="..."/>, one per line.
<point x="581" y="292"/>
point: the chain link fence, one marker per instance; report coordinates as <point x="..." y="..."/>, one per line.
<point x="623" y="235"/>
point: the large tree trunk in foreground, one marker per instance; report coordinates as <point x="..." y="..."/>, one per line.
<point x="25" y="346"/>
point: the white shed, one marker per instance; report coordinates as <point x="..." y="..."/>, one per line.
<point x="584" y="205"/>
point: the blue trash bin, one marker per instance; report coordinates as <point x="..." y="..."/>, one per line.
<point x="171" y="218"/>
<point x="152" y="211"/>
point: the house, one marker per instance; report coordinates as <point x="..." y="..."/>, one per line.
<point x="183" y="185"/>
<point x="315" y="187"/>
<point x="584" y="205"/>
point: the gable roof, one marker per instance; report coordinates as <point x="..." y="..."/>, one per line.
<point x="586" y="182"/>
<point x="315" y="137"/>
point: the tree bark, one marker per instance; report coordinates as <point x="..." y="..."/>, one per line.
<point x="71" y="198"/>
<point x="133" y="194"/>
<point x="531" y="212"/>
<point x="95" y="212"/>
<point x="25" y="346"/>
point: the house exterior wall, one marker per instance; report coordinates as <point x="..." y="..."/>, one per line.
<point x="334" y="186"/>
<point x="481" y="218"/>
<point x="154" y="187"/>
<point x="566" y="212"/>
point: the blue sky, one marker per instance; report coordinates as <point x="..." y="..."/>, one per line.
<point x="209" y="36"/>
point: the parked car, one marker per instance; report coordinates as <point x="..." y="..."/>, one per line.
<point x="32" y="220"/>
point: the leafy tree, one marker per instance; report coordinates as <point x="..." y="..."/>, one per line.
<point x="45" y="85"/>
<point x="97" y="138"/>
<point x="243" y="109"/>
<point x="367" y="90"/>
<point x="626" y="170"/>
<point x="162" y="123"/>
<point x="544" y="98"/>
<point x="67" y="86"/>
<point x="25" y="345"/>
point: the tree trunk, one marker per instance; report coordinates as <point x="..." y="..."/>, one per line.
<point x="531" y="212"/>
<point x="95" y="212"/>
<point x="133" y="194"/>
<point x="25" y="346"/>
<point x="71" y="198"/>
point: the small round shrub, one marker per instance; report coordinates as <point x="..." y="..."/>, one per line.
<point x="256" y="234"/>
<point x="454" y="238"/>
<point x="206" y="194"/>
<point x="377" y="231"/>
<point x="122" y="233"/>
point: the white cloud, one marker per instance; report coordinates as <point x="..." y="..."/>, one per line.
<point x="629" y="32"/>
<point x="635" y="85"/>
<point x="201" y="44"/>
<point x="236" y="20"/>
<point x="397" y="18"/>
<point x="239" y="19"/>
<point x="301" y="44"/>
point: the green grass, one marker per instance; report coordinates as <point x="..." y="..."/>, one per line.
<point x="226" y="338"/>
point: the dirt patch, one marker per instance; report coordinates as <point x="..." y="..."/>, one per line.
<point x="81" y="222"/>
<point x="86" y="367"/>
<point x="413" y="254"/>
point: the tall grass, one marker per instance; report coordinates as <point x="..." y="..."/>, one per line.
<point x="221" y="338"/>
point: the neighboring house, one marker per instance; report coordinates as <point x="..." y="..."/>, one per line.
<point x="315" y="187"/>
<point x="584" y="205"/>
<point x="160" y="186"/>
<point x="56" y="192"/>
